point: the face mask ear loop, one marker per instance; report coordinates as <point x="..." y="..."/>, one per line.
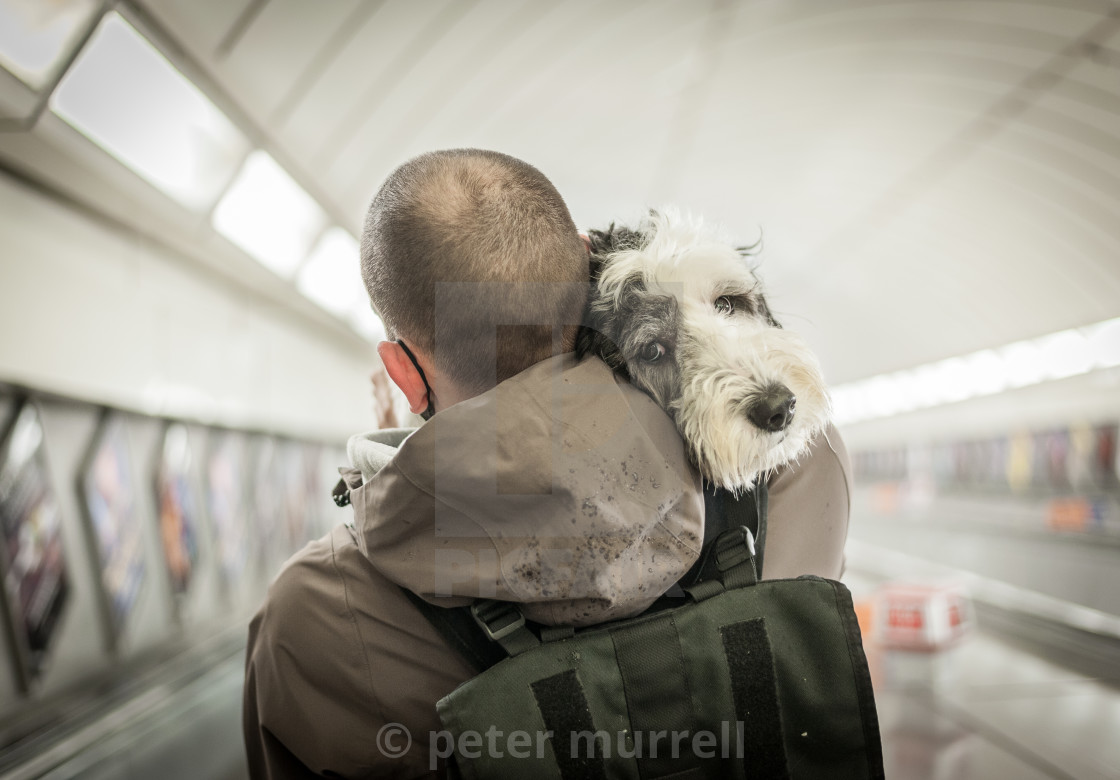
<point x="428" y="410"/>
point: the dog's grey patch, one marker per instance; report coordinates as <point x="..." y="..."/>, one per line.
<point x="619" y="330"/>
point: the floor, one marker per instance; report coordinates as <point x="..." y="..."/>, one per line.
<point x="984" y="709"/>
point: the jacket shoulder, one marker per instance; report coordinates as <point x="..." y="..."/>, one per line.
<point x="306" y="670"/>
<point x="810" y="505"/>
<point x="335" y="653"/>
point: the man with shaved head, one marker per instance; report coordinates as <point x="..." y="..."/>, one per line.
<point x="486" y="227"/>
<point x="538" y="479"/>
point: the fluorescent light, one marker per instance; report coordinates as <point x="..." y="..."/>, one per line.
<point x="951" y="380"/>
<point x="1104" y="343"/>
<point x="35" y="36"/>
<point x="987" y="372"/>
<point x="128" y="99"/>
<point x="1022" y="363"/>
<point x="905" y="390"/>
<point x="268" y="215"/>
<point x="1065" y="354"/>
<point x="330" y="277"/>
<point x="927" y="385"/>
<point x="366" y="323"/>
<point x="845" y="402"/>
<point x="881" y="396"/>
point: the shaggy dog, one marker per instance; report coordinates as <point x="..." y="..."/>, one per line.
<point x="680" y="312"/>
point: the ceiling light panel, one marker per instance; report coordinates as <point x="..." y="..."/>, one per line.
<point x="127" y="98"/>
<point x="331" y="277"/>
<point x="36" y="36"/>
<point x="366" y="323"/>
<point x="268" y="215"/>
<point x="1055" y="356"/>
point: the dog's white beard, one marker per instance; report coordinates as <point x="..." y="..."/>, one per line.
<point x="712" y="411"/>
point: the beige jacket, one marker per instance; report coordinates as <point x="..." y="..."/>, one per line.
<point x="563" y="489"/>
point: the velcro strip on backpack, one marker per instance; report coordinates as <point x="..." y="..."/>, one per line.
<point x="564" y="709"/>
<point x="754" y="686"/>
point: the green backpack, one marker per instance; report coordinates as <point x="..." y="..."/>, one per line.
<point x="735" y="677"/>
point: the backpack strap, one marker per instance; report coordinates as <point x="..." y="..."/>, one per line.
<point x="460" y="630"/>
<point x="762" y="510"/>
<point x="749" y="510"/>
<point x="723" y="511"/>
<point x="504" y="623"/>
<point x="727" y="564"/>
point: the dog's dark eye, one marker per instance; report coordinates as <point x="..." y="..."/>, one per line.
<point x="652" y="352"/>
<point x="724" y="305"/>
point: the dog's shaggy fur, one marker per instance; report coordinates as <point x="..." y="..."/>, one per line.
<point x="681" y="313"/>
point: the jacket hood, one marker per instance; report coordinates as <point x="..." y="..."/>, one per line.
<point x="563" y="488"/>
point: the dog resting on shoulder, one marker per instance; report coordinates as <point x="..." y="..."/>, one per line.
<point x="679" y="311"/>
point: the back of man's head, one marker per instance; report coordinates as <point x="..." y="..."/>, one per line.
<point x="473" y="257"/>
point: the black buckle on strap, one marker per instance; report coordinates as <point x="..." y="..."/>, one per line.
<point x="498" y="619"/>
<point x="734" y="547"/>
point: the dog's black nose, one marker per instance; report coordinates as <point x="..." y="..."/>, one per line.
<point x="774" y="409"/>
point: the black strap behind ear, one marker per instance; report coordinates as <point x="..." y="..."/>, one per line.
<point x="458" y="628"/>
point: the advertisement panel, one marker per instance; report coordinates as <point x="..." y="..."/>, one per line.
<point x="108" y="495"/>
<point x="36" y="583"/>
<point x="178" y="519"/>
<point x="225" y="498"/>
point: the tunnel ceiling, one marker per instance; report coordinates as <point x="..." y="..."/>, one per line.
<point x="930" y="178"/>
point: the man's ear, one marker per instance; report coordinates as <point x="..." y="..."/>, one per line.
<point x="404" y="375"/>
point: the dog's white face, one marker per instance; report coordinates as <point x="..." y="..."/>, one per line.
<point x="680" y="312"/>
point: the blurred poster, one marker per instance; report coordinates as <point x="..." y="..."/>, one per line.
<point x="995" y="460"/>
<point x="1040" y="460"/>
<point x="973" y="465"/>
<point x="287" y="496"/>
<point x="1020" y="461"/>
<point x="1105" y="465"/>
<point x="225" y="496"/>
<point x="267" y="501"/>
<point x="108" y="493"/>
<point x="178" y="522"/>
<point x="1079" y="464"/>
<point x="299" y="464"/>
<point x="1057" y="457"/>
<point x="860" y="470"/>
<point x="329" y="462"/>
<point x="34" y="571"/>
<point x="943" y="466"/>
<point x="961" y="466"/>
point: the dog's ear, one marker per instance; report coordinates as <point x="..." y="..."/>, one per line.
<point x="602" y="242"/>
<point x="592" y="341"/>
<point x="585" y="341"/>
<point x="595" y="264"/>
<point x="615" y="238"/>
